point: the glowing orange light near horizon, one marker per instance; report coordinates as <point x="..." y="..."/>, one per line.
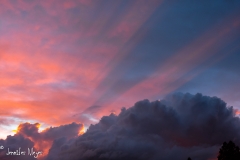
<point x="81" y="131"/>
<point x="237" y="112"/>
<point x="38" y="125"/>
<point x="15" y="131"/>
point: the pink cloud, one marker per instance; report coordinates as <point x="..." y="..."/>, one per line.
<point x="52" y="58"/>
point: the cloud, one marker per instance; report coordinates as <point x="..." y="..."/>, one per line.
<point x="72" y="44"/>
<point x="66" y="56"/>
<point x="181" y="125"/>
<point x="97" y="53"/>
<point x="13" y="143"/>
<point x="31" y="130"/>
<point x="29" y="136"/>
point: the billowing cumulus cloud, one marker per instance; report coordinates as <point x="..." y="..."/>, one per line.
<point x="180" y="126"/>
<point x="31" y="130"/>
<point x="13" y="143"/>
<point x="76" y="61"/>
<point x="28" y="136"/>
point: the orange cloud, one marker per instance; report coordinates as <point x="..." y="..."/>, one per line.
<point x="52" y="58"/>
<point x="43" y="140"/>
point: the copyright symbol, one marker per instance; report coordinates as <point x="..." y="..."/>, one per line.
<point x="1" y="147"/>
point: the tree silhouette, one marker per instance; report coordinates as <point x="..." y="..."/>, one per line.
<point x="189" y="158"/>
<point x="229" y="151"/>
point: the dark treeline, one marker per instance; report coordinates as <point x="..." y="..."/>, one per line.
<point x="228" y="151"/>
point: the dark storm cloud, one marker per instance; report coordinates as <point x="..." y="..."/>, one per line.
<point x="31" y="130"/>
<point x="29" y="136"/>
<point x="13" y="143"/>
<point x="179" y="126"/>
<point x="68" y="131"/>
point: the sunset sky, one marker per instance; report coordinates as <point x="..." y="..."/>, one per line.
<point x="64" y="61"/>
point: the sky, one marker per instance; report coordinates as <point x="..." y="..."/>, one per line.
<point x="65" y="62"/>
